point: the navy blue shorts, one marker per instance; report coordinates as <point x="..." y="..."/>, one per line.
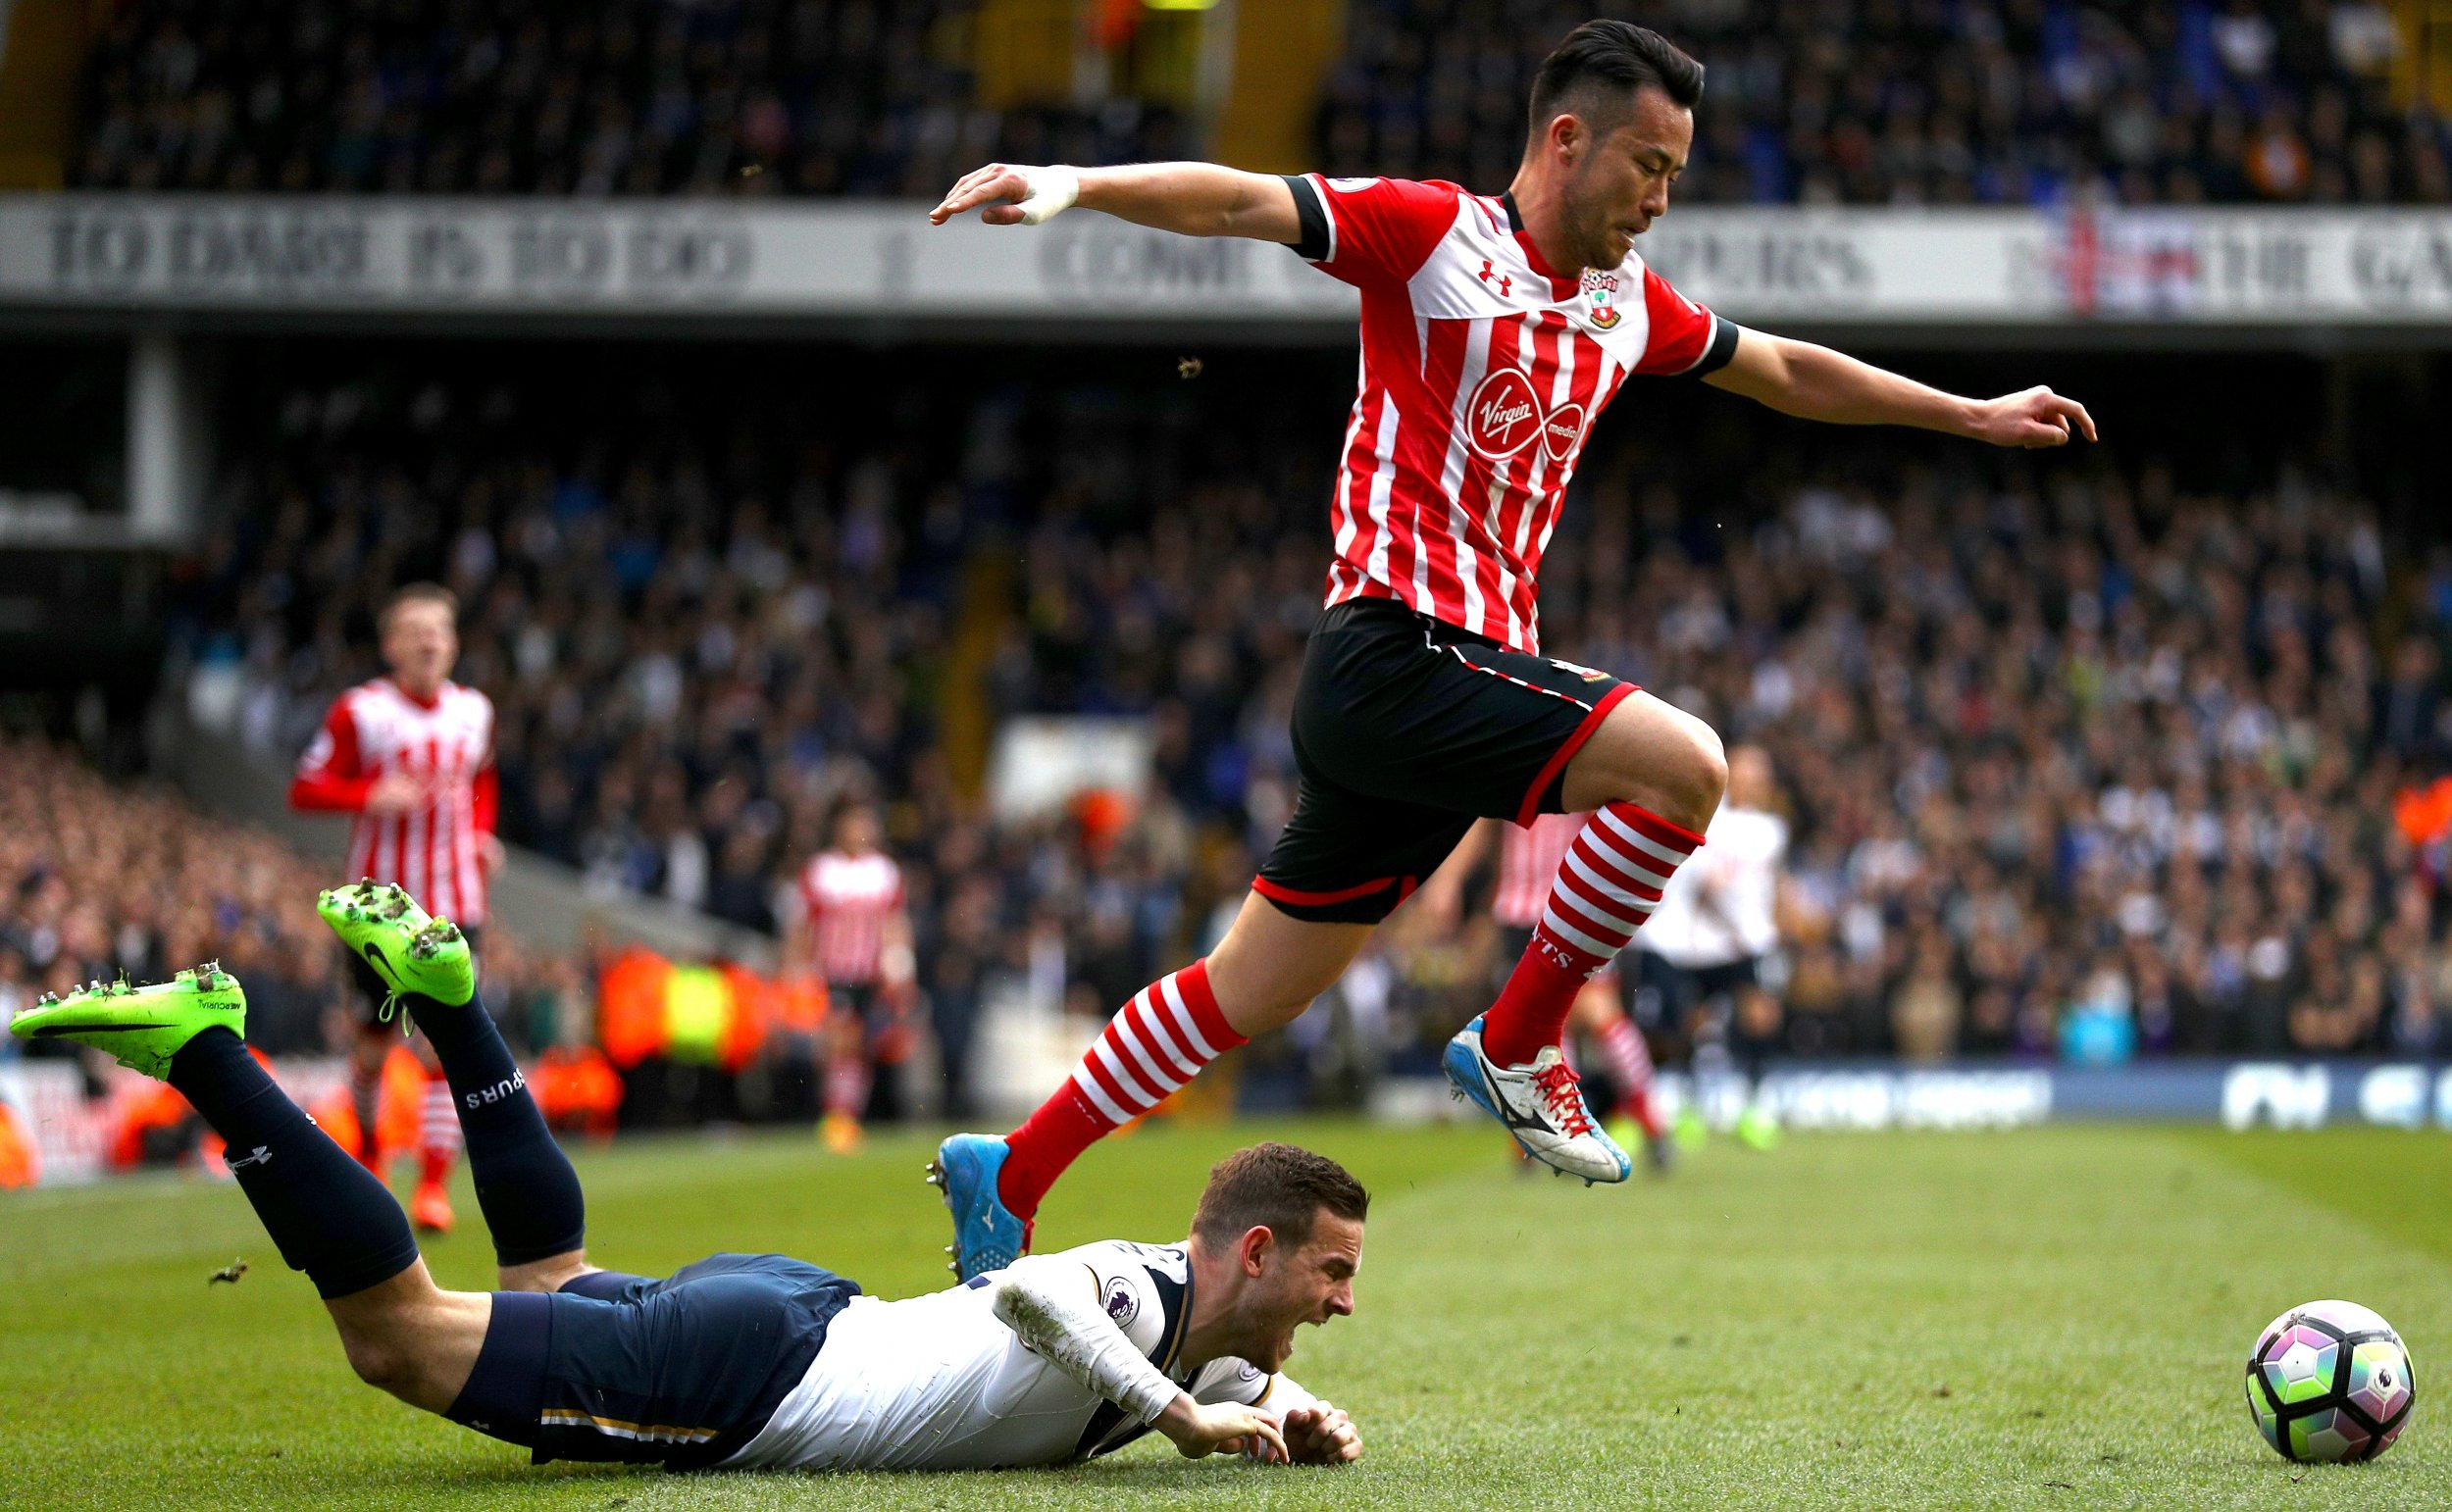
<point x="686" y="1370"/>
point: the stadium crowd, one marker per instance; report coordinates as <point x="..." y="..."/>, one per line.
<point x="848" y="97"/>
<point x="1933" y="101"/>
<point x="1863" y="101"/>
<point x="99" y="880"/>
<point x="2083" y="760"/>
<point x="96" y="880"/>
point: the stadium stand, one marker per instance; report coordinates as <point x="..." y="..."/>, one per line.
<point x="1862" y="101"/>
<point x="1919" y="101"/>
<point x="98" y="879"/>
<point x="549" y="97"/>
<point x="2114" y="749"/>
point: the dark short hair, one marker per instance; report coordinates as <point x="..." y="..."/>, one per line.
<point x="1601" y="65"/>
<point x="415" y="593"/>
<point x="1280" y="1186"/>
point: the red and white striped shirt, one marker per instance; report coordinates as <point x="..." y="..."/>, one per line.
<point x="1528" y="863"/>
<point x="375" y="730"/>
<point x="1482" y="373"/>
<point x="847" y="902"/>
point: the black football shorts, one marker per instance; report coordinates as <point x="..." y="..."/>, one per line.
<point x="1405" y="730"/>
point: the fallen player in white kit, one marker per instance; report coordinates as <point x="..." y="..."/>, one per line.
<point x="746" y="1360"/>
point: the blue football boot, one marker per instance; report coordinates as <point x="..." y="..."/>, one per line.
<point x="986" y="1237"/>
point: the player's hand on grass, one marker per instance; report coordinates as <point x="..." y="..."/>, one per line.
<point x="1011" y="194"/>
<point x="396" y="793"/>
<point x="1321" y="1435"/>
<point x="2037" y="417"/>
<point x="1221" y="1427"/>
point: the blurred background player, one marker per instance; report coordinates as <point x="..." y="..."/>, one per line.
<point x="1709" y="948"/>
<point x="1528" y="859"/>
<point x="851" y="927"/>
<point x="409" y="756"/>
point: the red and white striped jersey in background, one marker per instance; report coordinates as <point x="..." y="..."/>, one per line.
<point x="1528" y="862"/>
<point x="1482" y="373"/>
<point x="847" y="901"/>
<point x="374" y="729"/>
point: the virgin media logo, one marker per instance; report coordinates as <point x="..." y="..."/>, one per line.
<point x="1504" y="415"/>
<point x="1563" y="431"/>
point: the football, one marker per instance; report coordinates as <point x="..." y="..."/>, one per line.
<point x="2331" y="1381"/>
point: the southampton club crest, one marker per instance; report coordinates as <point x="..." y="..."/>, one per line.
<point x="1601" y="289"/>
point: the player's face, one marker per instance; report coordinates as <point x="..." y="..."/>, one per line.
<point x="1310" y="1283"/>
<point x="1619" y="182"/>
<point x="420" y="644"/>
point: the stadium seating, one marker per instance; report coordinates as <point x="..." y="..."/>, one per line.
<point x="551" y="97"/>
<point x="2081" y="741"/>
<point x="1919" y="101"/>
<point x="98" y="879"/>
<point x="1861" y="101"/>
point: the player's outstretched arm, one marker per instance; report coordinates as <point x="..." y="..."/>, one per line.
<point x="1053" y="1304"/>
<point x="1194" y="199"/>
<point x="1814" y="382"/>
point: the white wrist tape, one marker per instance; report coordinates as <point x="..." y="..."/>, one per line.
<point x="1052" y="190"/>
<point x="1045" y="1300"/>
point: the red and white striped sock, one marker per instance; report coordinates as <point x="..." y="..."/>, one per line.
<point x="847" y="1080"/>
<point x="1607" y="883"/>
<point x="1163" y="1037"/>
<point x="1630" y="1067"/>
<point x="437" y="1130"/>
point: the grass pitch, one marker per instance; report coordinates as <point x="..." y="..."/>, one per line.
<point x="2056" y="1318"/>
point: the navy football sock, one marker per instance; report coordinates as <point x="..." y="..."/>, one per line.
<point x="505" y="1393"/>
<point x="327" y="1215"/>
<point x="525" y="1184"/>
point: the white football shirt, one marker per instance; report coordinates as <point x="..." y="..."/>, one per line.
<point x="940" y="1382"/>
<point x="1722" y="906"/>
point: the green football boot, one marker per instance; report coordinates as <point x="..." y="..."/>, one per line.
<point x="1757" y="1131"/>
<point x="1690" y="1132"/>
<point x="143" y="1026"/>
<point x="412" y="951"/>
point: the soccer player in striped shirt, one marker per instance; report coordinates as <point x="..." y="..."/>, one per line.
<point x="1495" y="329"/>
<point x="851" y="928"/>
<point x="409" y="757"/>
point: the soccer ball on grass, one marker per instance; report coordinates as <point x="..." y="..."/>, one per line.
<point x="2331" y="1381"/>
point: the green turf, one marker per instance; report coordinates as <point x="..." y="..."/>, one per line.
<point x="2056" y="1318"/>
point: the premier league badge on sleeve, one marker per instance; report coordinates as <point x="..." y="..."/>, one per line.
<point x="1601" y="289"/>
<point x="1123" y="1301"/>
